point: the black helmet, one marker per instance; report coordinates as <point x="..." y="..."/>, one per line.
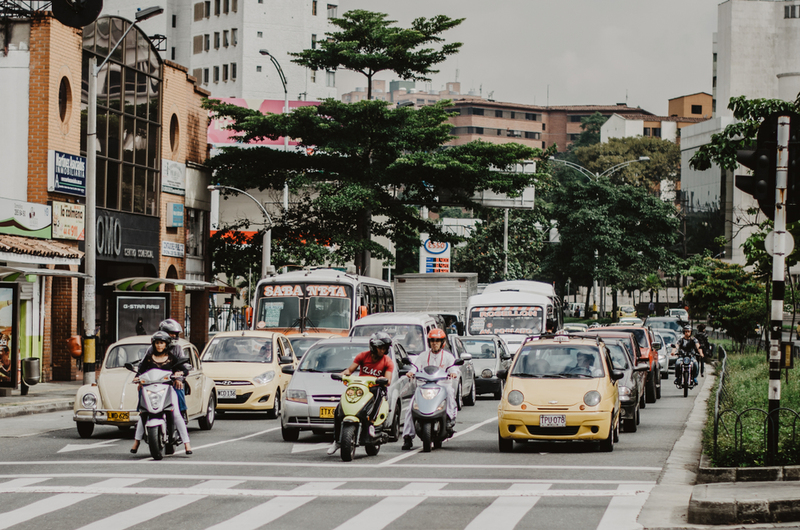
<point x="379" y="339"/>
<point x="161" y="336"/>
<point x="170" y="326"/>
<point x="687" y="328"/>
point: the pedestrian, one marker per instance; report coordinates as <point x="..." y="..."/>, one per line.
<point x="651" y="308"/>
<point x="702" y="338"/>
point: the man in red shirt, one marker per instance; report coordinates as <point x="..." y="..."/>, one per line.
<point x="374" y="362"/>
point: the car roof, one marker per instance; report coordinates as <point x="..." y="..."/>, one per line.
<point x="394" y="318"/>
<point x="664" y="319"/>
<point x="481" y="337"/>
<point x="247" y="333"/>
<point x="362" y="340"/>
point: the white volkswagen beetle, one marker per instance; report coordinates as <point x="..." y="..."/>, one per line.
<point x="113" y="400"/>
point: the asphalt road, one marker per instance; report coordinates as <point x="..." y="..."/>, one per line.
<point x="242" y="475"/>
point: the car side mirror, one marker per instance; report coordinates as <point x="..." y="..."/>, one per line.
<point x="616" y="375"/>
<point x="458" y="362"/>
<point x="502" y="374"/>
<point x="336" y="377"/>
<point x="656" y="345"/>
<point x="506" y="356"/>
<point x="129" y="366"/>
<point x="466" y="357"/>
<point x="641" y="367"/>
<point x="288" y="369"/>
<point x="285" y="359"/>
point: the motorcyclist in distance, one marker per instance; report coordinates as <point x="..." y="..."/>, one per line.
<point x="690" y="345"/>
<point x="374" y="362"/>
<point x="436" y="356"/>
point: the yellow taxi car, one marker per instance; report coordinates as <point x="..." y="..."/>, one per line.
<point x="246" y="369"/>
<point x="560" y="388"/>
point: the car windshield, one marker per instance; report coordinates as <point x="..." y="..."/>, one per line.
<point x="301" y="344"/>
<point x="641" y="336"/>
<point x="618" y="357"/>
<point x="238" y="350"/>
<point x="665" y="324"/>
<point x="330" y="358"/>
<point x="411" y="336"/>
<point x="128" y="353"/>
<point x="480" y="349"/>
<point x="558" y="361"/>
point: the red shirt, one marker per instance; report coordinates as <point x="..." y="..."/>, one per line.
<point x="371" y="367"/>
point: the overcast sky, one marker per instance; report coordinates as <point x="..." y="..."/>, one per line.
<point x="592" y="52"/>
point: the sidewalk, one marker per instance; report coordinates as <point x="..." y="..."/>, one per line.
<point x="44" y="397"/>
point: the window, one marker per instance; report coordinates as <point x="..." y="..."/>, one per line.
<point x="791" y="12"/>
<point x="697" y="109"/>
<point x="199" y="11"/>
<point x="657" y="132"/>
<point x="207" y="9"/>
<point x="216" y="74"/>
<point x="573" y="136"/>
<point x="233" y="71"/>
<point x="646" y="131"/>
<point x="478" y="130"/>
<point x="475" y="112"/>
<point x="498" y="114"/>
<point x="234" y="37"/>
<point x="195" y="228"/>
<point x="197" y="44"/>
<point x="576" y="118"/>
<point x="234" y="5"/>
<point x="331" y="11"/>
<point x="225" y="38"/>
<point x="216" y="40"/>
<point x="172" y="53"/>
<point x="544" y="126"/>
<point x="313" y="76"/>
<point x="513" y="115"/>
<point x="313" y="41"/>
<point x="420" y="101"/>
<point x="226" y="4"/>
<point x="205" y="76"/>
<point x="258" y="68"/>
<point x="216" y="7"/>
<point x="225" y="72"/>
<point x="533" y="135"/>
<point x="207" y="43"/>
<point x="330" y="79"/>
<point x="174" y="21"/>
<point x="513" y="134"/>
<point x="197" y="73"/>
<point x="314" y="7"/>
<point x="260" y="34"/>
<point x="532" y="117"/>
<point x="64" y="99"/>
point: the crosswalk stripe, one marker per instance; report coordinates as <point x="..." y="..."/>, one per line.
<point x="506" y="512"/>
<point x="44" y="506"/>
<point x="10" y="485"/>
<point x="381" y="514"/>
<point x="273" y="509"/>
<point x="622" y="512"/>
<point x="143" y="513"/>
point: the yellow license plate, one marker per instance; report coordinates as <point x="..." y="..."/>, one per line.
<point x="326" y="412"/>
<point x="118" y="416"/>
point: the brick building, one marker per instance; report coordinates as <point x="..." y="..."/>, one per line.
<point x="152" y="197"/>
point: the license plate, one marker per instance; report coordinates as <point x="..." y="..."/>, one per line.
<point x="226" y="394"/>
<point x="118" y="416"/>
<point x="326" y="412"/>
<point x="552" y="420"/>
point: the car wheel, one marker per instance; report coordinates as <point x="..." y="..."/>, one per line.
<point x="637" y="416"/>
<point x="642" y="403"/>
<point x="607" y="445"/>
<point x="616" y="434"/>
<point x="275" y="411"/>
<point x="459" y="398"/>
<point x="658" y="388"/>
<point x="207" y="421"/>
<point x="394" y="432"/>
<point x="505" y="446"/>
<point x="289" y="434"/>
<point x="499" y="393"/>
<point x="650" y="389"/>
<point x="630" y="425"/>
<point x="85" y="428"/>
<point x="470" y="399"/>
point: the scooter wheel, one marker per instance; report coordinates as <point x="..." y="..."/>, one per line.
<point x="425" y="436"/>
<point x="155" y="442"/>
<point x="372" y="449"/>
<point x="348" y="449"/>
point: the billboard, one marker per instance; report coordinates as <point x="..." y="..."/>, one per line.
<point x="9" y="351"/>
<point x="433" y="256"/>
<point x="29" y="219"/>
<point x="68" y="220"/>
<point x="140" y="315"/>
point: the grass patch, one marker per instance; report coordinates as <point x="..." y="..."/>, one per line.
<point x="746" y="388"/>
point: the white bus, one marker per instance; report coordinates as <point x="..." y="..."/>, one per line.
<point x="318" y="300"/>
<point x="554" y="310"/>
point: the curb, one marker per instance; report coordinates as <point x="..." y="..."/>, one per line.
<point x="714" y="475"/>
<point x="21" y="409"/>
<point x="744" y="503"/>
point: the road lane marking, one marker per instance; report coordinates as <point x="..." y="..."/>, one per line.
<point x="506" y="512"/>
<point x="22" y="481"/>
<point x="622" y="512"/>
<point x="82" y="447"/>
<point x="145" y="512"/>
<point x="304" y="448"/>
<point x="273" y="509"/>
<point x="182" y="451"/>
<point x="412" y="452"/>
<point x="383" y="513"/>
<point x="44" y="506"/>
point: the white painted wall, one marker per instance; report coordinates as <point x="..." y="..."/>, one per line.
<point x="14" y="93"/>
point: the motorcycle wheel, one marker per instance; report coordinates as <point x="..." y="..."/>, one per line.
<point x="425" y="435"/>
<point x="685" y="385"/>
<point x="437" y="444"/>
<point x="348" y="449"/>
<point x="155" y="442"/>
<point x="372" y="449"/>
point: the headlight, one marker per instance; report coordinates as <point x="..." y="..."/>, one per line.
<point x="430" y="393"/>
<point x="515" y="398"/>
<point x="624" y="393"/>
<point x="89" y="401"/>
<point x="298" y="396"/>
<point x="592" y="398"/>
<point x="353" y="394"/>
<point x="487" y="373"/>
<point x="263" y="379"/>
<point x="155" y="396"/>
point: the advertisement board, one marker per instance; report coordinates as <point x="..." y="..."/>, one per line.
<point x="66" y="173"/>
<point x="9" y="351"/>
<point x="173" y="177"/>
<point x="68" y="220"/>
<point x="174" y="215"/>
<point x="140" y="315"/>
<point x="433" y="256"/>
<point x="29" y="219"/>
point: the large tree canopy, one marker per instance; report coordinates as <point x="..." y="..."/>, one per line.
<point x="368" y="43"/>
<point x="367" y="157"/>
<point x="664" y="163"/>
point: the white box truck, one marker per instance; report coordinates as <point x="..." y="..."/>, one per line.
<point x="441" y="292"/>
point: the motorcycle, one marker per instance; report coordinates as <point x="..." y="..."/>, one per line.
<point x="155" y="409"/>
<point x="429" y="411"/>
<point x="358" y="428"/>
<point x="685" y="379"/>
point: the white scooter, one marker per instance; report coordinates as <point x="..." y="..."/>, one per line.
<point x="430" y="406"/>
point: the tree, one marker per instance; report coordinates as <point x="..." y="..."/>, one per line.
<point x="483" y="252"/>
<point x="373" y="167"/>
<point x="591" y="131"/>
<point x="664" y="163"/>
<point x="368" y="44"/>
<point x="652" y="284"/>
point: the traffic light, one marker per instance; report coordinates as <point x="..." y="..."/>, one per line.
<point x="763" y="161"/>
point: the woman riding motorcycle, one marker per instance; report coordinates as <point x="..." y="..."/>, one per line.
<point x="437" y="356"/>
<point x="161" y="357"/>
<point x="374" y="362"/>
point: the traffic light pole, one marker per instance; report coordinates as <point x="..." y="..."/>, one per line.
<point x="778" y="287"/>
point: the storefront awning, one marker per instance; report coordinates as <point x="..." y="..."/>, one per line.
<point x="39" y="251"/>
<point x="152" y="284"/>
<point x="11" y="274"/>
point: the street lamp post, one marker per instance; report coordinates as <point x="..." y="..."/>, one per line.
<point x="285" y="111"/>
<point x="266" y="252"/>
<point x="90" y="228"/>
<point x="595" y="176"/>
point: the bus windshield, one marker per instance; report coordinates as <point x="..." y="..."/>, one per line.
<point x="520" y="320"/>
<point x="319" y="306"/>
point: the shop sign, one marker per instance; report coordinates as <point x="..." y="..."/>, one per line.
<point x="173" y="177"/>
<point x="434" y="256"/>
<point x="172" y="249"/>
<point x="139" y="315"/>
<point x="29" y="219"/>
<point x="127" y="237"/>
<point x="174" y="215"/>
<point x="68" y="220"/>
<point x="66" y="173"/>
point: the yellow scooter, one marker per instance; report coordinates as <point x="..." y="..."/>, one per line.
<point x="363" y="422"/>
